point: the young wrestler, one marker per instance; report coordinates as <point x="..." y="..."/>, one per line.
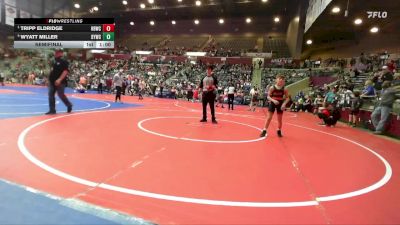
<point x="278" y="97"/>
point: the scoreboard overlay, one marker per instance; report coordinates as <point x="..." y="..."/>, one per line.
<point x="89" y="33"/>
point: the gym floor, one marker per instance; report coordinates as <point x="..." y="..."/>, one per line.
<point x="114" y="163"/>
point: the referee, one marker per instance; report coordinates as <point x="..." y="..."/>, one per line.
<point x="209" y="87"/>
<point x="58" y="82"/>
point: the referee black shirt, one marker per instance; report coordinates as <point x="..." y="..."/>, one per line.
<point x="208" y="81"/>
<point x="58" y="68"/>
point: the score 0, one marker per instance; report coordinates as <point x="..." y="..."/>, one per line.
<point x="108" y="27"/>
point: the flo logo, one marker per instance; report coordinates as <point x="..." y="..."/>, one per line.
<point x="377" y="14"/>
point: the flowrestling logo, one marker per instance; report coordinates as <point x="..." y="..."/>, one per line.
<point x="377" y="14"/>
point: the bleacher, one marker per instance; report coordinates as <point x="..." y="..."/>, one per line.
<point x="221" y="45"/>
<point x="143" y="42"/>
<point x="24" y="62"/>
<point x="292" y="76"/>
<point x="277" y="46"/>
<point x="359" y="81"/>
<point x="193" y="43"/>
<point x="236" y="43"/>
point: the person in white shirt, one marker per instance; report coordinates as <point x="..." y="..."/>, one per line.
<point x="117" y="82"/>
<point x="251" y="95"/>
<point x="231" y="96"/>
<point x="254" y="99"/>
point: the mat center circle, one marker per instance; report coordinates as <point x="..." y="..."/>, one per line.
<point x="185" y="128"/>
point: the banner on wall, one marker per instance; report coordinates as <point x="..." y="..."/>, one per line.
<point x="11" y="13"/>
<point x="258" y="63"/>
<point x="24" y="14"/>
<point x="11" y="3"/>
<point x="315" y="8"/>
<point x="259" y="54"/>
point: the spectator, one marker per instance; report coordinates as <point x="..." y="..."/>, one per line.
<point x="220" y="97"/>
<point x="307" y="104"/>
<point x="189" y="94"/>
<point x="231" y="96"/>
<point x="254" y="99"/>
<point x="141" y="89"/>
<point x="396" y="80"/>
<point x="381" y="113"/>
<point x="330" y="97"/>
<point x="173" y="93"/>
<point x="392" y="66"/>
<point x="300" y="104"/>
<point x="356" y="104"/>
<point x="161" y="89"/>
<point x="387" y="75"/>
<point x="318" y="103"/>
<point x="196" y="96"/>
<point x="369" y="90"/>
<point x="117" y="81"/>
<point x="109" y="85"/>
<point x="100" y="87"/>
<point x="1" y="79"/>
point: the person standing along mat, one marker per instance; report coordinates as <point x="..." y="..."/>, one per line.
<point x="231" y="96"/>
<point x="381" y="115"/>
<point x="209" y="87"/>
<point x="58" y="82"/>
<point x="1" y="79"/>
<point x="117" y="82"/>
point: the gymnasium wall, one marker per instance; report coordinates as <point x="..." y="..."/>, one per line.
<point x="372" y="43"/>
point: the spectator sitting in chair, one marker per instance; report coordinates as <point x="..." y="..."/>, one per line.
<point x="318" y="102"/>
<point x="80" y="88"/>
<point x="369" y="91"/>
<point x="396" y="80"/>
<point x="307" y="104"/>
<point x="386" y="75"/>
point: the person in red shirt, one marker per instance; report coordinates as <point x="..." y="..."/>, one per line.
<point x="330" y="115"/>
<point x="189" y="94"/>
<point x="278" y="97"/>
<point x="196" y="95"/>
<point x="391" y="66"/>
<point x="109" y="84"/>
